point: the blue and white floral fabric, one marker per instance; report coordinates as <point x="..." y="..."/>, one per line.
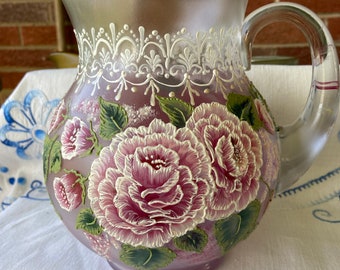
<point x="300" y="230"/>
<point x="23" y="125"/>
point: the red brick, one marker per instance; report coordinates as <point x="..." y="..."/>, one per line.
<point x="334" y="28"/>
<point x="9" y="36"/>
<point x="280" y="33"/>
<point x="301" y="53"/>
<point x="252" y="4"/>
<point x="70" y="38"/>
<point x="10" y="79"/>
<point x="37" y="12"/>
<point x="320" y="6"/>
<point x="39" y="35"/>
<point x="25" y="58"/>
<point x="4" y="94"/>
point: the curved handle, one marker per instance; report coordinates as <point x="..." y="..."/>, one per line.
<point x="303" y="140"/>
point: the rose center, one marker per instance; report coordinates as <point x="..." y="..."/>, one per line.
<point x="154" y="162"/>
<point x="239" y="155"/>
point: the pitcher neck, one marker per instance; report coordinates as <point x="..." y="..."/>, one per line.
<point x="120" y="41"/>
<point x="164" y="16"/>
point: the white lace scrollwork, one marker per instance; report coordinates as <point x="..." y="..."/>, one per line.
<point x="126" y="59"/>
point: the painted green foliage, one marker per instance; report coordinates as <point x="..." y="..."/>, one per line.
<point x="244" y="108"/>
<point x="194" y="241"/>
<point x="113" y="119"/>
<point x="88" y="222"/>
<point x="237" y="227"/>
<point x="51" y="156"/>
<point x="143" y="258"/>
<point x="177" y="110"/>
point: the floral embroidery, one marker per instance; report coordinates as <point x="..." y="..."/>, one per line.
<point x="37" y="192"/>
<point x="27" y="121"/>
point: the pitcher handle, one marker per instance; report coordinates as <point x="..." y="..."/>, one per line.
<point x="302" y="140"/>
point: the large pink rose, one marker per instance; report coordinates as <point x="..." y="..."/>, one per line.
<point x="236" y="153"/>
<point x="67" y="191"/>
<point x="151" y="184"/>
<point x="76" y="139"/>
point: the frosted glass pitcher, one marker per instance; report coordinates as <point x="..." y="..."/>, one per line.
<point x="163" y="154"/>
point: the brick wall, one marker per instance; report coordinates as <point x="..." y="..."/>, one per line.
<point x="28" y="35"/>
<point x="284" y="39"/>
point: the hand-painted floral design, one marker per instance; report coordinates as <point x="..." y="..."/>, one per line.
<point x="100" y="243"/>
<point x="58" y="116"/>
<point x="27" y="121"/>
<point x="90" y="107"/>
<point x="236" y="153"/>
<point x="150" y="184"/>
<point x="68" y="191"/>
<point x="264" y="116"/>
<point x="138" y="116"/>
<point x="77" y="139"/>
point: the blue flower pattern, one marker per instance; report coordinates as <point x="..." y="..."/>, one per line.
<point x="24" y="131"/>
<point x="26" y="124"/>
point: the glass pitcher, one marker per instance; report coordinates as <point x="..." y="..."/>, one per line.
<point x="163" y="155"/>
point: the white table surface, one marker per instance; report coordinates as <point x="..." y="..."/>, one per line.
<point x="301" y="229"/>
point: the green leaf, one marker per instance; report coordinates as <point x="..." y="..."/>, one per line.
<point x="113" y="119"/>
<point x="226" y="231"/>
<point x="143" y="258"/>
<point x="194" y="240"/>
<point x="88" y="222"/>
<point x="249" y="219"/>
<point x="51" y="156"/>
<point x="177" y="110"/>
<point x="244" y="108"/>
<point x="237" y="227"/>
<point x="236" y="103"/>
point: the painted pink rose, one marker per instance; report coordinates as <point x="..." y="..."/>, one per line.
<point x="264" y="116"/>
<point x="76" y="139"/>
<point x="236" y="153"/>
<point x="151" y="184"/>
<point x="58" y="116"/>
<point x="67" y="191"/>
